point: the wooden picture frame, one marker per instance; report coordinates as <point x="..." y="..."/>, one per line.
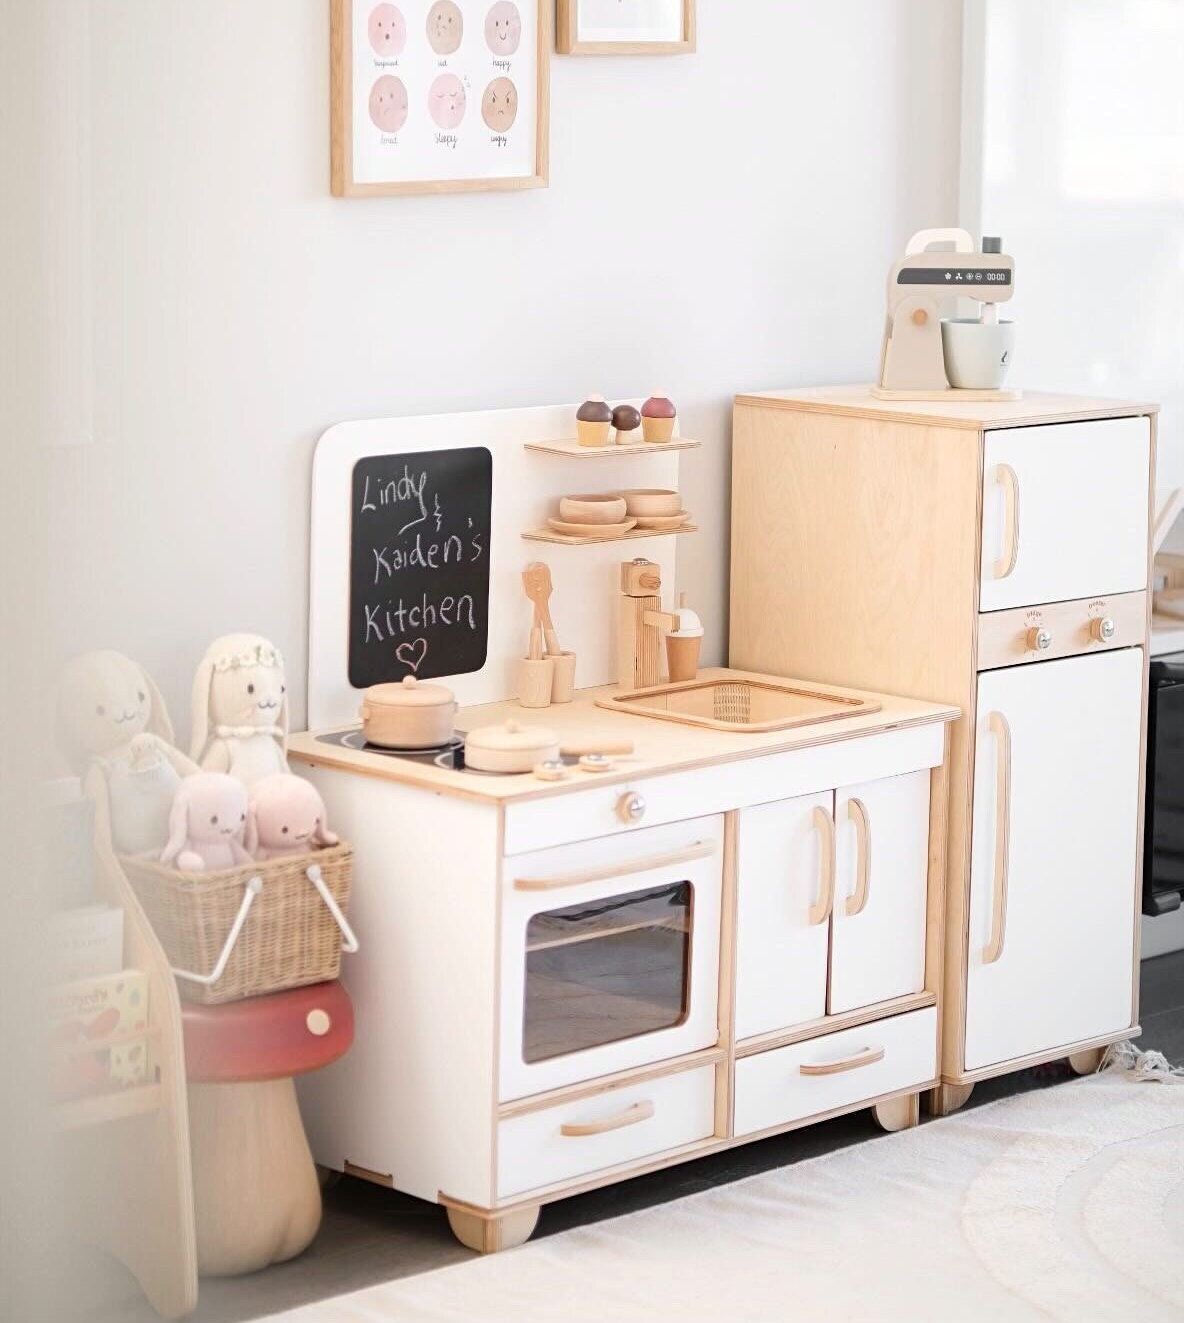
<point x="570" y="42"/>
<point x="386" y="63"/>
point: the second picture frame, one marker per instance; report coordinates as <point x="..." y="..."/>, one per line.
<point x="625" y="27"/>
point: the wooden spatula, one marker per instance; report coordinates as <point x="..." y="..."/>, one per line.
<point x="536" y="579"/>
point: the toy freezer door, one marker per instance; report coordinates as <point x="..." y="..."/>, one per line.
<point x="781" y="932"/>
<point x="1053" y="865"/>
<point x="877" y="937"/>
<point x="1064" y="512"/>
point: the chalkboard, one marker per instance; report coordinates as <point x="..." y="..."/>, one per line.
<point x="419" y="565"/>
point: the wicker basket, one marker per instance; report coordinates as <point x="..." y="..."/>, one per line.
<point x="241" y="932"/>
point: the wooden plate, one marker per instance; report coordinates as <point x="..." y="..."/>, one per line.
<point x="662" y="521"/>
<point x="605" y="531"/>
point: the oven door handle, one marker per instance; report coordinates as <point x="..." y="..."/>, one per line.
<point x="606" y="872"/>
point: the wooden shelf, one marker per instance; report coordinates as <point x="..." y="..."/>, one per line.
<point x="81" y="1112"/>
<point x="572" y="449"/>
<point x="83" y="1048"/>
<point x="547" y="535"/>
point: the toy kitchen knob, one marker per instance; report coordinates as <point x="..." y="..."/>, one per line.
<point x="631" y="807"/>
<point x="1102" y="630"/>
<point x="1038" y="640"/>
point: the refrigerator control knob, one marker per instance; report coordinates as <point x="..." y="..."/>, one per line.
<point x="1102" y="630"/>
<point x="631" y="807"/>
<point x="1039" y="640"/>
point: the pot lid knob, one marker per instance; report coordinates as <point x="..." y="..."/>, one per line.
<point x="409" y="682"/>
<point x="512" y="727"/>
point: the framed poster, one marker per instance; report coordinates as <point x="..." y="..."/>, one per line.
<point x="438" y="96"/>
<point x="626" y="27"/>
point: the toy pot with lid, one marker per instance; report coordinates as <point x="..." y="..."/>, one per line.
<point x="408" y="714"/>
<point x="510" y="747"/>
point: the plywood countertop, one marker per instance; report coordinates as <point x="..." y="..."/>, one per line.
<point x="659" y="746"/>
<point x="1033" y="408"/>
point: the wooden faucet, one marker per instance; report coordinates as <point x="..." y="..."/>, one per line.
<point x="641" y="625"/>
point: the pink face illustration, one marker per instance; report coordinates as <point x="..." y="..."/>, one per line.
<point x="446" y="26"/>
<point x="503" y="28"/>
<point x="446" y="101"/>
<point x="387" y="29"/>
<point x="388" y="104"/>
<point x="499" y="105"/>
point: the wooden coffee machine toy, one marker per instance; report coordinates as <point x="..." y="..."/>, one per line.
<point x="641" y="625"/>
<point x="926" y="356"/>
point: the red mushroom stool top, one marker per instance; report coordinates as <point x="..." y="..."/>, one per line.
<point x="267" y="1038"/>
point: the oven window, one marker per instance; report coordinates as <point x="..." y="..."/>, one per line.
<point x="606" y="971"/>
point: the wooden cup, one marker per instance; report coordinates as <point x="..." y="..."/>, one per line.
<point x="535" y="681"/>
<point x="563" y="680"/>
<point x="682" y="656"/>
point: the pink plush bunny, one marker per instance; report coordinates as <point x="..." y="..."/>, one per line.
<point x="287" y="817"/>
<point x="207" y="823"/>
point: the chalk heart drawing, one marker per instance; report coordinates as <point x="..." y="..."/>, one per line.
<point x="412" y="654"/>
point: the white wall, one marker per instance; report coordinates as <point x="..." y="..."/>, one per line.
<point x="714" y="223"/>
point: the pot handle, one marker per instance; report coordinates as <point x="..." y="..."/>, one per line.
<point x="364" y="711"/>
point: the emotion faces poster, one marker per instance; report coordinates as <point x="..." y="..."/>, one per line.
<point x="436" y="94"/>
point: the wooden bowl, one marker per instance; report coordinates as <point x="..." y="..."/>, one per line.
<point x="648" y="502"/>
<point x="592" y="509"/>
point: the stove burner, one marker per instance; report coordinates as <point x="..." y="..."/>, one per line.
<point x="450" y="756"/>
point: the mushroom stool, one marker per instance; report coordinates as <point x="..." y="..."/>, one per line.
<point x="255" y="1190"/>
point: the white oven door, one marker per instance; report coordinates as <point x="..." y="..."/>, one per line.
<point x="610" y="955"/>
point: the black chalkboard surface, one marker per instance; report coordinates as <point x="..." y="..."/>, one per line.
<point x="419" y="565"/>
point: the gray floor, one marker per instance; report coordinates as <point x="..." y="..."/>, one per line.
<point x="371" y="1235"/>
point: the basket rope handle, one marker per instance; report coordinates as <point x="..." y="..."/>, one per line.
<point x="252" y="889"/>
<point x="349" y="943"/>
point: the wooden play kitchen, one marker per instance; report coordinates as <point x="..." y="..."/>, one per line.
<point x="687" y="912"/>
<point x="994" y="555"/>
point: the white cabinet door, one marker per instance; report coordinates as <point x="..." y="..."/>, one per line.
<point x="780" y="952"/>
<point x="1053" y="866"/>
<point x="877" y="939"/>
<point x="1064" y="512"/>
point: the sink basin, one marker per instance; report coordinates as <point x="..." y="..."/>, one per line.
<point x="740" y="704"/>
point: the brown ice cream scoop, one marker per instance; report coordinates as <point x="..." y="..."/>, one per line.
<point x="658" y="406"/>
<point x="594" y="410"/>
<point x="626" y="418"/>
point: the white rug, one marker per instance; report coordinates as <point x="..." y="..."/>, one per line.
<point x="1067" y="1203"/>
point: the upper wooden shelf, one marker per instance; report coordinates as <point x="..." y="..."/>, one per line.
<point x="573" y="450"/>
<point x="564" y="540"/>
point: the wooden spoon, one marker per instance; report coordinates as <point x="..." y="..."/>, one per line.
<point x="536" y="579"/>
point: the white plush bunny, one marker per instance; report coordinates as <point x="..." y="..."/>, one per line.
<point x="112" y="726"/>
<point x="240" y="709"/>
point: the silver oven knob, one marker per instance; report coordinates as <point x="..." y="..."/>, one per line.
<point x="1039" y="640"/>
<point x="631" y="807"/>
<point x="1102" y="630"/>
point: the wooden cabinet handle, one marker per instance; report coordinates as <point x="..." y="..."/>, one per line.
<point x="700" y="850"/>
<point x="868" y="1057"/>
<point x="1005" y="475"/>
<point x="640" y="1111"/>
<point x="997" y="725"/>
<point x="857" y="812"/>
<point x="820" y="910"/>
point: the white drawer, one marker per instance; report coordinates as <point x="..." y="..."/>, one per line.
<point x="1064" y="512"/>
<point x="874" y="1059"/>
<point x="575" y="1139"/>
<point x="534" y="824"/>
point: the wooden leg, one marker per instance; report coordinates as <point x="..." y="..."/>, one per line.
<point x="898" y="1113"/>
<point x="255" y="1187"/>
<point x="327" y="1178"/>
<point x="1087" y="1062"/>
<point x="488" y="1233"/>
<point x="947" y="1098"/>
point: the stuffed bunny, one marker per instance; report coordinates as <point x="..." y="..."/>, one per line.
<point x="240" y="709"/>
<point x="286" y="817"/>
<point x="207" y="824"/>
<point x="113" y="729"/>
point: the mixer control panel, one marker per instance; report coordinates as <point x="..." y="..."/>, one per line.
<point x="954" y="275"/>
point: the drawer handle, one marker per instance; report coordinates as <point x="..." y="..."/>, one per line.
<point x="820" y="910"/>
<point x="1005" y="475"/>
<point x="857" y="812"/>
<point x="700" y="850"/>
<point x="868" y="1057"/>
<point x="997" y="724"/>
<point x="640" y="1111"/>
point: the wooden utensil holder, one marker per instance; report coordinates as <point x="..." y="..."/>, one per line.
<point x="535" y="681"/>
